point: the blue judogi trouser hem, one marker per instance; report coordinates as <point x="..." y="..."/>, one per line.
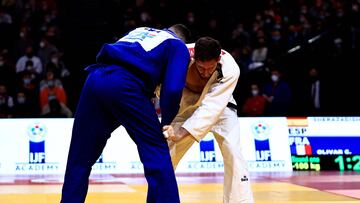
<point x="113" y="96"/>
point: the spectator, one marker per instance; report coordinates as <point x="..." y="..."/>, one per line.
<point x="314" y="92"/>
<point x="259" y="54"/>
<point x="255" y="103"/>
<point x="55" y="109"/>
<point x="49" y="80"/>
<point x="52" y="91"/>
<point x="27" y="80"/>
<point x="22" y="64"/>
<point x="5" y="18"/>
<point x="240" y="36"/>
<point x="46" y="50"/>
<point x="29" y="86"/>
<point x="23" y="107"/>
<point x="277" y="94"/>
<point x="53" y="34"/>
<point x="57" y="66"/>
<point x="22" y="42"/>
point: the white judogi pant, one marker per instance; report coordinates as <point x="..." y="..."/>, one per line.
<point x="237" y="186"/>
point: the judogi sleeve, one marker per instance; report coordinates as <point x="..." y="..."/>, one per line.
<point x="174" y="82"/>
<point x="215" y="100"/>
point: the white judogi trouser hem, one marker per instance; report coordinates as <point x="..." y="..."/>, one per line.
<point x="237" y="187"/>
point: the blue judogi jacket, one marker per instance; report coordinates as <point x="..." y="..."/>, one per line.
<point x="157" y="57"/>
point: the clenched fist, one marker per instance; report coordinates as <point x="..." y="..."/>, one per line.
<point x="169" y="133"/>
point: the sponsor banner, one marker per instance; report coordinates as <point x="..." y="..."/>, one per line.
<point x="40" y="146"/>
<point x="202" y="157"/>
<point x="34" y="146"/>
<point x="264" y="142"/>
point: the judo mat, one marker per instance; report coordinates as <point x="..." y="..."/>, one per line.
<point x="280" y="187"/>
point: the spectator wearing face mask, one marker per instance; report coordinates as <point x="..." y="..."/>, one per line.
<point x="27" y="81"/>
<point x="259" y="55"/>
<point x="23" y="108"/>
<point x="57" y="65"/>
<point x="50" y="80"/>
<point x="45" y="51"/>
<point x="277" y="93"/>
<point x="21" y="64"/>
<point x="23" y="41"/>
<point x="51" y="89"/>
<point x="29" y="85"/>
<point x="254" y="104"/>
<point x="30" y="69"/>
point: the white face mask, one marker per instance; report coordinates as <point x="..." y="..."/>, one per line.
<point x="21" y="100"/>
<point x="274" y="78"/>
<point x="42" y="44"/>
<point x="27" y="81"/>
<point x="54" y="60"/>
<point x="254" y="92"/>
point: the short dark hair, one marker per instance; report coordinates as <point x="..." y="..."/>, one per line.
<point x="181" y="31"/>
<point x="207" y="48"/>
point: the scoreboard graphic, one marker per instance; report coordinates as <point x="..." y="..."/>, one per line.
<point x="325" y="143"/>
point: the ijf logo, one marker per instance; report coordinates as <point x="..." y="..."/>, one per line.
<point x="37" y="133"/>
<point x="207" y="149"/>
<point x="208" y="161"/>
<point x="261" y="133"/>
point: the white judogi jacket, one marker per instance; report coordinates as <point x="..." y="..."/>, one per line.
<point x="201" y="112"/>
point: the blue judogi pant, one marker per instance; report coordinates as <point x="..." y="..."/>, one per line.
<point x="113" y="96"/>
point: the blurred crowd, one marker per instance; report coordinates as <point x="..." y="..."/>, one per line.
<point x="33" y="77"/>
<point x="289" y="52"/>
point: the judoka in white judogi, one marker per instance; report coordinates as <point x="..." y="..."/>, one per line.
<point x="207" y="110"/>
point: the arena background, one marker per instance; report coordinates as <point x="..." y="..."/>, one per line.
<point x="324" y="33"/>
<point x="88" y="24"/>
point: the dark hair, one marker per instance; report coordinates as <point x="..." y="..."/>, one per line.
<point x="207" y="48"/>
<point x="181" y="31"/>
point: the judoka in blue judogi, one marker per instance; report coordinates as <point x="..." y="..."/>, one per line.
<point x="118" y="92"/>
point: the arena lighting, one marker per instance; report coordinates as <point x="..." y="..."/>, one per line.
<point x="314" y="39"/>
<point x="309" y="41"/>
<point x="294" y="49"/>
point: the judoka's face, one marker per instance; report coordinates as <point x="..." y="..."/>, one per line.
<point x="206" y="68"/>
